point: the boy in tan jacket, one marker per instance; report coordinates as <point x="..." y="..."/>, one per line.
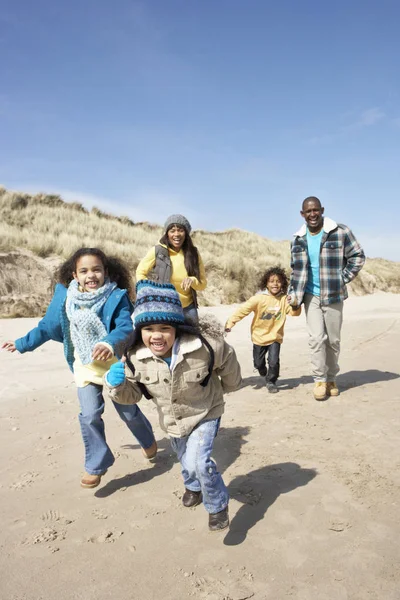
<point x="185" y="373"/>
<point x="270" y="308"/>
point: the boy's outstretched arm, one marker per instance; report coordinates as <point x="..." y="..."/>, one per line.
<point x="244" y="309"/>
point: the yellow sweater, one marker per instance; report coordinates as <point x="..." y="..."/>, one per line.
<point x="269" y="317"/>
<point x="178" y="273"/>
<point x="94" y="371"/>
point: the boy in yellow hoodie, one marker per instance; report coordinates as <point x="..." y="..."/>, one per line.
<point x="270" y="308"/>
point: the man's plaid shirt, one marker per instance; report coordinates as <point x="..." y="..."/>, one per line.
<point x="341" y="258"/>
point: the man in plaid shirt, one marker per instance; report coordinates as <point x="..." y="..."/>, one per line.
<point x="325" y="256"/>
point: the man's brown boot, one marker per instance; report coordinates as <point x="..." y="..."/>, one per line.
<point x="332" y="388"/>
<point x="320" y="390"/>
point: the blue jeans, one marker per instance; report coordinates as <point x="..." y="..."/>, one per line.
<point x="98" y="456"/>
<point x="199" y="470"/>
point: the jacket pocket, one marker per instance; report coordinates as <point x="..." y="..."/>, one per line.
<point x="147" y="377"/>
<point x="195" y="375"/>
<point x="333" y="245"/>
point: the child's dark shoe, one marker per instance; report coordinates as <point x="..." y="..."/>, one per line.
<point x="219" y="520"/>
<point x="190" y="499"/>
<point x="272" y="387"/>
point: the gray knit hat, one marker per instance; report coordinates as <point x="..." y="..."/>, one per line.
<point x="178" y="220"/>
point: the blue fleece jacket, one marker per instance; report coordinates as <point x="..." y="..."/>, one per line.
<point x="115" y="315"/>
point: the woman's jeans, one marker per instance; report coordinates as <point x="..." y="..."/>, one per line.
<point x="199" y="470"/>
<point x="191" y="315"/>
<point x="98" y="456"/>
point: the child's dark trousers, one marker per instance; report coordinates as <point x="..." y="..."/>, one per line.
<point x="259" y="355"/>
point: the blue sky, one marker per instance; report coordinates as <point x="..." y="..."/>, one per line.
<point x="228" y="111"/>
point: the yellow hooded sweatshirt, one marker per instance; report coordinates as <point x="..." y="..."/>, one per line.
<point x="178" y="273"/>
<point x="269" y="317"/>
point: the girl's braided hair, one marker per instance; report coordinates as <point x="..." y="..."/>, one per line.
<point x="116" y="269"/>
<point x="279" y="273"/>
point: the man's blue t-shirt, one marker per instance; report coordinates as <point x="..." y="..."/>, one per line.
<point x="314" y="247"/>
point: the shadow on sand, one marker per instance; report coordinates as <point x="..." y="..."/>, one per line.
<point x="345" y="381"/>
<point x="227" y="449"/>
<point x="163" y="463"/>
<point x="258" y="490"/>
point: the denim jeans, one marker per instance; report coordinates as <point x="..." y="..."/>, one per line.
<point x="191" y="315"/>
<point x="98" y="456"/>
<point x="199" y="470"/>
<point x="259" y="354"/>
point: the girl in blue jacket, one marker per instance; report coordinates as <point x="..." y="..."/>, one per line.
<point x="90" y="313"/>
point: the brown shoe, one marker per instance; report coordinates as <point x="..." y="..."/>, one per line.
<point x="320" y="390"/>
<point x="151" y="452"/>
<point x="190" y="499"/>
<point x="332" y="388"/>
<point x="219" y="520"/>
<point x="91" y="481"/>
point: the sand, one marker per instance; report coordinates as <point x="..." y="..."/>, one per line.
<point x="314" y="485"/>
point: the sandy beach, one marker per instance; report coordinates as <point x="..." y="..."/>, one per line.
<point x="314" y="485"/>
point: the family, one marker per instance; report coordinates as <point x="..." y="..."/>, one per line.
<point x="158" y="348"/>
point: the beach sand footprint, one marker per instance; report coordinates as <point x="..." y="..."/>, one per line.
<point x="106" y="537"/>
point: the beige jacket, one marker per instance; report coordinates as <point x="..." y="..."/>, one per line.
<point x="181" y="401"/>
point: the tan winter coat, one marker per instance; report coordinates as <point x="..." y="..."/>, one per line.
<point x="181" y="401"/>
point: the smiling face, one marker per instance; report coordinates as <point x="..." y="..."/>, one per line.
<point x="159" y="338"/>
<point x="176" y="236"/>
<point x="313" y="214"/>
<point x="90" y="273"/>
<point x="274" y="285"/>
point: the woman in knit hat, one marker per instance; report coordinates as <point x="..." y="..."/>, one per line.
<point x="176" y="260"/>
<point x="185" y="373"/>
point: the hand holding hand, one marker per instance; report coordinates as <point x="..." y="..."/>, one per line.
<point x="187" y="284"/>
<point x="116" y="374"/>
<point x="9" y="346"/>
<point x="101" y="352"/>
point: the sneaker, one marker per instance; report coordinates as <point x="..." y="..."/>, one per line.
<point x="91" y="481"/>
<point x="272" y="388"/>
<point x="320" y="390"/>
<point x="332" y="388"/>
<point x="190" y="498"/>
<point x="219" y="520"/>
<point x="151" y="452"/>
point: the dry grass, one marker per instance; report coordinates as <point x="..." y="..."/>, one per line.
<point x="44" y="226"/>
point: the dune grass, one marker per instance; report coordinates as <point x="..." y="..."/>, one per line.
<point x="234" y="259"/>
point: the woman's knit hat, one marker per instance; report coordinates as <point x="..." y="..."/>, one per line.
<point x="178" y="220"/>
<point x="157" y="303"/>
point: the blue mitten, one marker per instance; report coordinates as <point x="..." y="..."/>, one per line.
<point x="116" y="374"/>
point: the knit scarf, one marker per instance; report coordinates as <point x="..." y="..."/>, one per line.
<point x="83" y="308"/>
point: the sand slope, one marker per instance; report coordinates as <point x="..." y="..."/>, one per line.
<point x="314" y="486"/>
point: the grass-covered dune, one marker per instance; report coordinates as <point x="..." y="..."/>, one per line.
<point x="38" y="231"/>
